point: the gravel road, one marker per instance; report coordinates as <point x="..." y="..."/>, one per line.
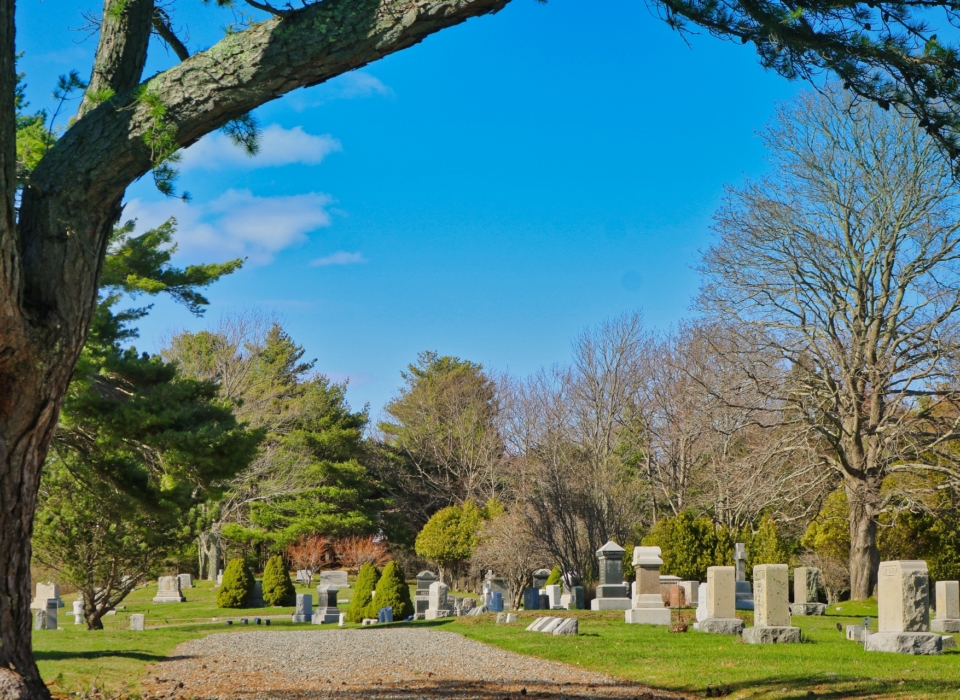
<point x="382" y="664"/>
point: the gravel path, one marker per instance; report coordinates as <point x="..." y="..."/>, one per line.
<point x="385" y="664"/>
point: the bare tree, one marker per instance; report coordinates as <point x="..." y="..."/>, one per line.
<point x="508" y="546"/>
<point x="844" y="261"/>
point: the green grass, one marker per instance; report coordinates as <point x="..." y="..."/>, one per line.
<point x="826" y="664"/>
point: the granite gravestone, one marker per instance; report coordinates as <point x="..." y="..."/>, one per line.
<point x="186" y="581"/>
<point x="168" y="590"/>
<point x="948" y="607"/>
<point x="612" y="592"/>
<point x="721" y="602"/>
<point x="438" y="606"/>
<point x="136" y="622"/>
<point x="805" y="585"/>
<point x="903" y="597"/>
<point x="304" y="611"/>
<point x="46" y="591"/>
<point x="647" y="606"/>
<point x="771" y="617"/>
<point x="327" y="610"/>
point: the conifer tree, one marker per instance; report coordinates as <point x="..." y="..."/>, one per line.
<point x="277" y="587"/>
<point x="555" y="578"/>
<point x="236" y="586"/>
<point x="392" y="591"/>
<point x="363" y="590"/>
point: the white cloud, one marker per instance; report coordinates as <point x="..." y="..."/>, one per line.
<point x="349" y="86"/>
<point x="278" y="146"/>
<point x="237" y="223"/>
<point x="341" y="257"/>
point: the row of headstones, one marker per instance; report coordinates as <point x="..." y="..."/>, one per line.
<point x="327" y="610"/>
<point x="432" y="600"/>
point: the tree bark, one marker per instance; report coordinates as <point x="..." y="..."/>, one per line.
<point x="51" y="257"/>
<point x="863" y="498"/>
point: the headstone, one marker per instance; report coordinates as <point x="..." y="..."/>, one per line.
<point x="337" y="578"/>
<point x="552" y="625"/>
<point x="327" y="610"/>
<point x="186" y="581"/>
<point x="78" y="612"/>
<point x="304" y="611"/>
<point x="256" y="596"/>
<point x="53" y="606"/>
<point x="612" y="592"/>
<point x="219" y="578"/>
<point x="648" y="603"/>
<point x="367" y="621"/>
<point x="496" y="601"/>
<point x="570" y="626"/>
<point x="678" y="596"/>
<point x="493" y="583"/>
<point x="948" y="607"/>
<point x="342" y="620"/>
<point x="744" y="594"/>
<point x="39" y="620"/>
<point x="740" y="559"/>
<point x="903" y="596"/>
<point x="385" y="614"/>
<point x="544" y="601"/>
<point x="438" y="606"/>
<point x="304" y="576"/>
<point x="806" y="581"/>
<point x="424" y="579"/>
<point x="721" y="602"/>
<point x="531" y="598"/>
<point x="771" y="617"/>
<point x="540" y="577"/>
<point x="554" y="593"/>
<point x="691" y="592"/>
<point x="702" y="602"/>
<point x="136" y="622"/>
<point x="168" y="590"/>
<point x="46" y="591"/>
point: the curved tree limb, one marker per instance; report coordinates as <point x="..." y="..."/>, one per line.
<point x="161" y="25"/>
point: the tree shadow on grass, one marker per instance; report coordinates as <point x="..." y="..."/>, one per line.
<point x="820" y="686"/>
<point x="66" y="655"/>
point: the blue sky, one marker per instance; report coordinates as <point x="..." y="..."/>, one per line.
<point x="486" y="194"/>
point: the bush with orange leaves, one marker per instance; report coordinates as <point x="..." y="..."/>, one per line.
<point x="310" y="554"/>
<point x="354" y="552"/>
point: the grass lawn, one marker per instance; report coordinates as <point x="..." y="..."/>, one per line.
<point x="826" y="665"/>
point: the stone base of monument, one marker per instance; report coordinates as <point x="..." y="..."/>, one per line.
<point x="771" y="635"/>
<point x="611" y="604"/>
<point x="647" y="616"/>
<point x="808" y="608"/>
<point x="325" y="616"/>
<point x="922" y="643"/>
<point x="300" y="618"/>
<point x="169" y="599"/>
<point x="948" y="642"/>
<point x="721" y="625"/>
<point x="944" y="625"/>
<point x="437" y="614"/>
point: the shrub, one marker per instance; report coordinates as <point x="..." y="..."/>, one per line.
<point x="555" y="578"/>
<point x="449" y="537"/>
<point x="767" y="546"/>
<point x="236" y="586"/>
<point x="392" y="591"/>
<point x="689" y="545"/>
<point x="354" y="552"/>
<point x="277" y="586"/>
<point x="362" y="592"/>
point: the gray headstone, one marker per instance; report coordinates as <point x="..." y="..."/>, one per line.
<point x="136" y="622"/>
<point x="334" y="578"/>
<point x="304" y="611"/>
<point x="186" y="581"/>
<point x="53" y="606"/>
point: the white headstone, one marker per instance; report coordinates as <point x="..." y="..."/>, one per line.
<point x="337" y="578"/>
<point x="168" y="590"/>
<point x="136" y="622"/>
<point x="78" y="612"/>
<point x="46" y="591"/>
<point x="438" y="606"/>
<point x="304" y="610"/>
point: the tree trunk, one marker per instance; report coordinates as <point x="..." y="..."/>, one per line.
<point x="862" y="498"/>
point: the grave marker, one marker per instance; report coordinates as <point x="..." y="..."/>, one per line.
<point x="721" y="602"/>
<point x="948" y="607"/>
<point x="903" y="596"/>
<point x="304" y="611"/>
<point x="771" y="618"/>
<point x="648" y="602"/>
<point x="168" y="590"/>
<point x="805" y="584"/>
<point x="612" y="592"/>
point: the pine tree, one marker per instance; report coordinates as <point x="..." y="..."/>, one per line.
<point x="277" y="587"/>
<point x="392" y="591"/>
<point x="236" y="586"/>
<point x="555" y="578"/>
<point x="767" y="546"/>
<point x="367" y="580"/>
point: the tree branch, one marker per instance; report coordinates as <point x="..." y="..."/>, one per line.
<point x="161" y="24"/>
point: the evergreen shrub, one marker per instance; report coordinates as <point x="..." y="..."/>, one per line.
<point x="555" y="578"/>
<point x="236" y="586"/>
<point x="392" y="591"/>
<point x="363" y="589"/>
<point x="277" y="587"/>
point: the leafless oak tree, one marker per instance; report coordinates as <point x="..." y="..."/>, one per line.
<point x="844" y="260"/>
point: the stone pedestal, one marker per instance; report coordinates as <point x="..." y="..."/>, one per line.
<point x="903" y="596"/>
<point x="612" y="592"/>
<point x="304" y="611"/>
<point x="721" y="625"/>
<point x="771" y="635"/>
<point x="327" y="610"/>
<point x="808" y="608"/>
<point x="948" y="607"/>
<point x="919" y="643"/>
<point x="168" y="590"/>
<point x="647" y="605"/>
